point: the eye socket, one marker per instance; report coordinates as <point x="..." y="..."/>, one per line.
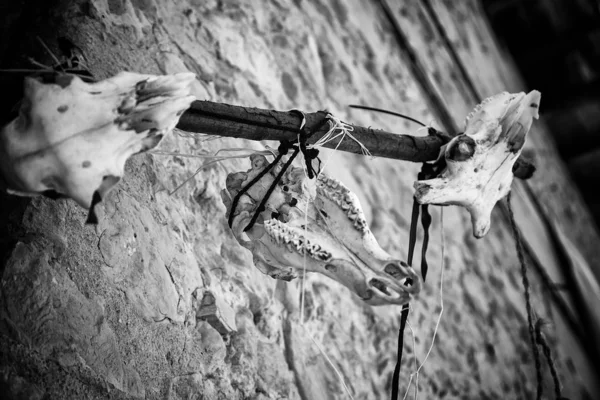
<point x="461" y="148"/>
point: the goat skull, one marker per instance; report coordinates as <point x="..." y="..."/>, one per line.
<point x="479" y="162"/>
<point x="71" y="138"/>
<point x="319" y="226"/>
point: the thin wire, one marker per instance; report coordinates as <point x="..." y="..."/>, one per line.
<point x="339" y="374"/>
<point x="412" y="333"/>
<point x="324" y="139"/>
<point x="418" y="370"/>
<point x="304" y="255"/>
<point x="214" y="155"/>
<point x="58" y="63"/>
<point x="388" y="112"/>
<point x="318" y="143"/>
<point x="200" y="168"/>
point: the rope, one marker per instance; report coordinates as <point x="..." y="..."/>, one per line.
<point x="526" y="286"/>
<point x="541" y="339"/>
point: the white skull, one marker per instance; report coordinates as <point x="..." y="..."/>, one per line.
<point x="332" y="238"/>
<point x="72" y="138"/>
<point x="479" y="162"/>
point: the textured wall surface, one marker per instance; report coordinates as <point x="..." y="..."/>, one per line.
<point x="110" y="310"/>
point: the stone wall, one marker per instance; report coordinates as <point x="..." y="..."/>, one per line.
<point x="111" y="310"/>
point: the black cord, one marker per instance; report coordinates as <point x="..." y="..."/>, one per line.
<point x="261" y="206"/>
<point x="405" y="308"/>
<point x="284" y="146"/>
<point x="309" y="154"/>
<point x="387" y="112"/>
<point x="428" y="171"/>
<point x="426" y="222"/>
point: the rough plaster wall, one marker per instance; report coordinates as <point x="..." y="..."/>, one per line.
<point x="111" y="310"/>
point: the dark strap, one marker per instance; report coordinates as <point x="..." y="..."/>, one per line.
<point x="428" y="171"/>
<point x="404" y="315"/>
<point x="310" y="154"/>
<point x="264" y="200"/>
<point x="426" y="222"/>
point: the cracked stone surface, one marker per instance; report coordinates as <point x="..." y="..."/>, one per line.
<point x="109" y="311"/>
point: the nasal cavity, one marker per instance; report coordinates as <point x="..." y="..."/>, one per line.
<point x="394" y="270"/>
<point x="379" y="285"/>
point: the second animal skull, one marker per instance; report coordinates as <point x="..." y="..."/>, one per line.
<point x="318" y="225"/>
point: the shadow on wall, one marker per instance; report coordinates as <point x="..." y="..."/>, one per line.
<point x="556" y="46"/>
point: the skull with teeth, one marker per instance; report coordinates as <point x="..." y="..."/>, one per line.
<point x="72" y="138"/>
<point x="318" y="225"/>
<point x="479" y="162"/>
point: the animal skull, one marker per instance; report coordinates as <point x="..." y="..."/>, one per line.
<point x="72" y="138"/>
<point x="319" y="226"/>
<point x="479" y="162"/>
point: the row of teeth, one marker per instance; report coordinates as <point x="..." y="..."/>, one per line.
<point x="293" y="241"/>
<point x="335" y="191"/>
<point x="479" y="106"/>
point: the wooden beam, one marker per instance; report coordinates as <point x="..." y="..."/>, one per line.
<point x="261" y="124"/>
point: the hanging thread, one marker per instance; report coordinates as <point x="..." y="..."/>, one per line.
<point x="526" y="286"/>
<point x="541" y="339"/>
